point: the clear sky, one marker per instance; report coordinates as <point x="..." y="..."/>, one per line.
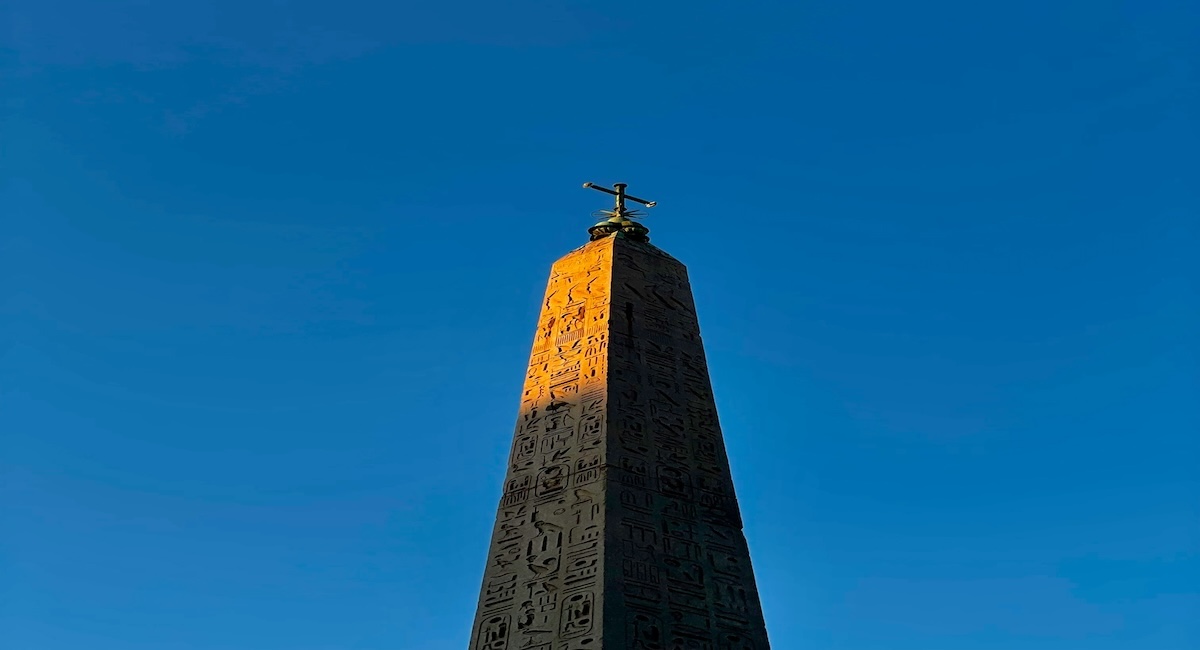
<point x="270" y="273"/>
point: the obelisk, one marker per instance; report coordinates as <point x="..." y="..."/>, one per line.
<point x="618" y="528"/>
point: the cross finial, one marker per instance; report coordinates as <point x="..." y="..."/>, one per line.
<point x="619" y="218"/>
<point x="621" y="196"/>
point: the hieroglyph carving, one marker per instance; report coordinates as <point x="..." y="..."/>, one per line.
<point x="618" y="526"/>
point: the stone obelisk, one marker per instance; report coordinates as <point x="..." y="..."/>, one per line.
<point x="618" y="528"/>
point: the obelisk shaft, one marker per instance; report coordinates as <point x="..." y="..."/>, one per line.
<point x="618" y="528"/>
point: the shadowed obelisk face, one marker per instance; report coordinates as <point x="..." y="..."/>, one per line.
<point x="618" y="528"/>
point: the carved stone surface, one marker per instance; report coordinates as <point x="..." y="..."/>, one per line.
<point x="618" y="527"/>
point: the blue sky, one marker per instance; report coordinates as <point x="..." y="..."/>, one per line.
<point x="271" y="271"/>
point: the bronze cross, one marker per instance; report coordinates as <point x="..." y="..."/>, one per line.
<point x="621" y="196"/>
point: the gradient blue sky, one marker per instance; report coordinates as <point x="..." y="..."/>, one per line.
<point x="271" y="271"/>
